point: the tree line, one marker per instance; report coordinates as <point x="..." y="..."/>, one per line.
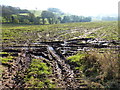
<point x="50" y="16"/>
<point x="108" y="18"/>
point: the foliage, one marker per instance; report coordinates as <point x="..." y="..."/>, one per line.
<point x="15" y="21"/>
<point x="66" y="19"/>
<point x="49" y="15"/>
<point x="112" y="35"/>
<point x="6" y="60"/>
<point x="84" y="64"/>
<point x="76" y="58"/>
<point x="16" y="15"/>
<point x="8" y="11"/>
<point x="37" y="75"/>
<point x="13" y="34"/>
<point x="26" y="21"/>
<point x="55" y="10"/>
<point x="102" y="68"/>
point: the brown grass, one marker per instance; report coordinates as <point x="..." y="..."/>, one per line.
<point x="109" y="65"/>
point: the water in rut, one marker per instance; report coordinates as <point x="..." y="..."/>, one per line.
<point x="52" y="53"/>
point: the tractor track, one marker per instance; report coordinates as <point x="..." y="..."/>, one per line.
<point x="54" y="53"/>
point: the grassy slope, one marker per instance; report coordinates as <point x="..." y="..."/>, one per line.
<point x="36" y="12"/>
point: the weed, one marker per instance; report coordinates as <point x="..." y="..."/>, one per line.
<point x="102" y="68"/>
<point x="37" y="75"/>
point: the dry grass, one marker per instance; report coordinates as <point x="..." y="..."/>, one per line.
<point x="109" y="66"/>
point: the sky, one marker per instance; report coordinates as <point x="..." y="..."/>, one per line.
<point x="77" y="7"/>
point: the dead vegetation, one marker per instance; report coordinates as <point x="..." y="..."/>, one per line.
<point x="99" y="67"/>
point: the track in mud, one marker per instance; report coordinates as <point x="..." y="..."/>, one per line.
<point x="55" y="53"/>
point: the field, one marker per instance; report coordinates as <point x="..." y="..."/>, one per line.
<point x="94" y="68"/>
<point x="21" y="34"/>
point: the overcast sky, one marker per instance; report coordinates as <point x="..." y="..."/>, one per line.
<point x="78" y="7"/>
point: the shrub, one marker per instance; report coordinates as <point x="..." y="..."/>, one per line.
<point x="16" y="21"/>
<point x="26" y="21"/>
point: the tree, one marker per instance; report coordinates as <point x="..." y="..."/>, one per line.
<point x="9" y="11"/>
<point x="26" y="21"/>
<point x="37" y="20"/>
<point x="66" y="19"/>
<point x="31" y="17"/>
<point x="55" y="10"/>
<point x="6" y="13"/>
<point x="74" y="18"/>
<point x="86" y="19"/>
<point x="15" y="21"/>
<point x="107" y="18"/>
<point x="60" y="19"/>
<point x="49" y="15"/>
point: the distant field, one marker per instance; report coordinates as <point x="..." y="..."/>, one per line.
<point x="36" y="12"/>
<point x="21" y="34"/>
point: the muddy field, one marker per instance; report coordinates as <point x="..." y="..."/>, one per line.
<point x="73" y="55"/>
<point x="23" y="34"/>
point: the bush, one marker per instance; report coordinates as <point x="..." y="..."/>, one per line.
<point x="26" y="21"/>
<point x="15" y="21"/>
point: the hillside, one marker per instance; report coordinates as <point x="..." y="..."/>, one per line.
<point x="36" y="12"/>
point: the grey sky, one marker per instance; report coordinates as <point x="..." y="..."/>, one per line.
<point x="78" y="7"/>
